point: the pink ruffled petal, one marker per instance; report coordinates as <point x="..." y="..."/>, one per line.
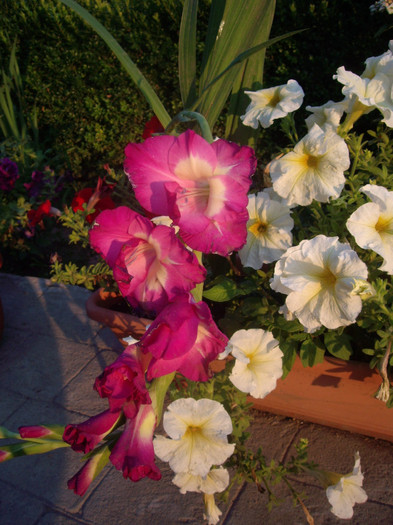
<point x="115" y="227"/>
<point x="183" y="338"/>
<point x="134" y="452"/>
<point x="85" y="436"/>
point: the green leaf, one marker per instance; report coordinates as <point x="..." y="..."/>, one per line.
<point x="338" y="345"/>
<point x="240" y="23"/>
<point x="225" y="289"/>
<point x="249" y="78"/>
<point x="187" y="52"/>
<point x="289" y="350"/>
<point x="131" y="68"/>
<point x="311" y="352"/>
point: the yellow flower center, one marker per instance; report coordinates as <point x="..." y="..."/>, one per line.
<point x="259" y="228"/>
<point x="274" y="100"/>
<point x="312" y="162"/>
<point x="384" y="225"/>
<point x="327" y="278"/>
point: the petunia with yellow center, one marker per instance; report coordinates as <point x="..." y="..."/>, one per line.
<point x="198" y="436"/>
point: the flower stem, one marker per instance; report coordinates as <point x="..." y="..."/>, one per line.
<point x="189" y="116"/>
<point x="157" y="391"/>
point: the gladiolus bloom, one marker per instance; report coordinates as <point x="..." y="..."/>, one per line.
<point x="198" y="432"/>
<point x="372" y="224"/>
<point x="134" y="452"/>
<point x="319" y="276"/>
<point x="272" y="103"/>
<point x="123" y="383"/>
<point x="183" y="338"/>
<point x="83" y="437"/>
<point x="150" y="265"/>
<point x="202" y="187"/>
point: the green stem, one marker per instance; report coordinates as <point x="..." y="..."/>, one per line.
<point x="190" y="116"/>
<point x="157" y="391"/>
<point x="198" y="290"/>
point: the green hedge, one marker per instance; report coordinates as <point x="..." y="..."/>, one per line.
<point x="82" y="92"/>
<point x="87" y="101"/>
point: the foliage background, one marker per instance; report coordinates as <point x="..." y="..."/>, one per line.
<point x="88" y="107"/>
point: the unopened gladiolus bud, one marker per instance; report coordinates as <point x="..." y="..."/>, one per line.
<point x="81" y="481"/>
<point x="41" y="431"/>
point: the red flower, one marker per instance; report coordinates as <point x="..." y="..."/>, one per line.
<point x="152" y="126"/>
<point x="97" y="198"/>
<point x="36" y="216"/>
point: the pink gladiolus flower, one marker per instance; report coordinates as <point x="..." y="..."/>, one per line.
<point x="123" y="383"/>
<point x="183" y="338"/>
<point x="149" y="263"/>
<point x="202" y="187"/>
<point x="85" y="436"/>
<point x="134" y="452"/>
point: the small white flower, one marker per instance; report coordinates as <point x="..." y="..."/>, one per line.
<point x="198" y="432"/>
<point x="216" y="480"/>
<point x="258" y="362"/>
<point x="343" y="495"/>
<point x="327" y="115"/>
<point x="268" y="231"/>
<point x="272" y="103"/>
<point x="372" y="224"/>
<point x="318" y="276"/>
<point x="313" y="170"/>
<point x="373" y="88"/>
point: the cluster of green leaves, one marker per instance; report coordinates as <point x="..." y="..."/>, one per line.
<point x="91" y="276"/>
<point x="84" y="98"/>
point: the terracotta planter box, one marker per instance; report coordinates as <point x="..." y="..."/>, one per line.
<point x="101" y="307"/>
<point x="335" y="393"/>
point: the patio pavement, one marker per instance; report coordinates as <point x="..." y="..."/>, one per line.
<point x="50" y="354"/>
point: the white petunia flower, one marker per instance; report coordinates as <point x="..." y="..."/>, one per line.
<point x="198" y="432"/>
<point x="258" y="362"/>
<point x="372" y="224"/>
<point x="319" y="276"/>
<point x="272" y="103"/>
<point x="313" y="170"/>
<point x="326" y="116"/>
<point x="346" y="492"/>
<point x="213" y="513"/>
<point x="268" y="231"/>
<point x="216" y="480"/>
<point x="373" y="89"/>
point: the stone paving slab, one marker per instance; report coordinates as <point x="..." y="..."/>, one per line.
<point x="50" y="355"/>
